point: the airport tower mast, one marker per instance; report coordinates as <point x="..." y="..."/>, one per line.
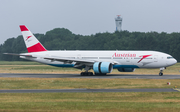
<point x="118" y="21"/>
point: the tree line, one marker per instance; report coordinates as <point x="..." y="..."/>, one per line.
<point x="63" y="39"/>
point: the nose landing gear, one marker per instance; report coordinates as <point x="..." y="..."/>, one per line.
<point x="161" y="71"/>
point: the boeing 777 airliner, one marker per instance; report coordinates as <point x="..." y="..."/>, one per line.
<point x="102" y="62"/>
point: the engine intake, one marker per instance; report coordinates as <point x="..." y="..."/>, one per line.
<point x="126" y="69"/>
<point x="102" y="67"/>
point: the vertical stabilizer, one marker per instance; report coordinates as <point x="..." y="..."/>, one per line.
<point x="32" y="44"/>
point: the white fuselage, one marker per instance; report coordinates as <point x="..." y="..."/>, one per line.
<point x="101" y="62"/>
<point x="121" y="59"/>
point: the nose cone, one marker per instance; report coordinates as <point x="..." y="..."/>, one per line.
<point x="172" y="62"/>
<point x="175" y="61"/>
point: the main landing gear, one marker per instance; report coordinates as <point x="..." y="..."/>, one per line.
<point x="100" y="74"/>
<point x="86" y="73"/>
<point x="161" y="71"/>
<point x="91" y="74"/>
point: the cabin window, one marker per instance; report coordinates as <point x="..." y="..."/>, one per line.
<point x="104" y="57"/>
<point x="89" y="57"/>
<point x="117" y="58"/>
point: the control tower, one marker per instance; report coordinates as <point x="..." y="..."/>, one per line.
<point x="118" y="21"/>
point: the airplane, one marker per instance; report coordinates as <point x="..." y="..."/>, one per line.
<point x="102" y="62"/>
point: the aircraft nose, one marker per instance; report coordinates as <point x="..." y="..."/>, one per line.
<point x="175" y="61"/>
<point x="172" y="62"/>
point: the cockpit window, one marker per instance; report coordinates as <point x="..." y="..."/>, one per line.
<point x="170" y="58"/>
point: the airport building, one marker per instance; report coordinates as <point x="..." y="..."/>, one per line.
<point x="118" y="21"/>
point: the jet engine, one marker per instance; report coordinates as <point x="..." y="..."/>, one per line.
<point x="102" y="67"/>
<point x="126" y="69"/>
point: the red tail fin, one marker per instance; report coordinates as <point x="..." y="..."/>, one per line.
<point x="32" y="44"/>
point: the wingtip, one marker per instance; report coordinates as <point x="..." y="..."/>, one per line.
<point x="23" y="28"/>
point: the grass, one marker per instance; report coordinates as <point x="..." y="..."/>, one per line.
<point x="34" y="67"/>
<point x="81" y="102"/>
<point x="91" y="102"/>
<point x="67" y="83"/>
<point x="75" y="83"/>
<point x="19" y="63"/>
<point x="95" y="102"/>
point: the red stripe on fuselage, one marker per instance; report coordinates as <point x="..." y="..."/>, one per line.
<point x="23" y="28"/>
<point x="145" y="56"/>
<point x="36" y="48"/>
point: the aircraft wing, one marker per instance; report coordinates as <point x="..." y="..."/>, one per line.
<point x="70" y="60"/>
<point x="79" y="63"/>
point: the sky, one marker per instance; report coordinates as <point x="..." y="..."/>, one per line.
<point x="88" y="17"/>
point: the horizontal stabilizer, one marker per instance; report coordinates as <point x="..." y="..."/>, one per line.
<point x="18" y="55"/>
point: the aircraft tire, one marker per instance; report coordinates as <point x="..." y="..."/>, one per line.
<point x="86" y="74"/>
<point x="100" y="74"/>
<point x="160" y="74"/>
<point x="90" y="73"/>
<point x="82" y="74"/>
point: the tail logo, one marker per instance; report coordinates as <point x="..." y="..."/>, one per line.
<point x="144" y="56"/>
<point x="28" y="37"/>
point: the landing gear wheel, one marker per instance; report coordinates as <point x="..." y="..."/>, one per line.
<point x="91" y="73"/>
<point x="86" y="74"/>
<point x="160" y="74"/>
<point x="100" y="74"/>
<point x="82" y="74"/>
<point x="161" y="71"/>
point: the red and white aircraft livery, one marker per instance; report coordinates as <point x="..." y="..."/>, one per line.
<point x="102" y="62"/>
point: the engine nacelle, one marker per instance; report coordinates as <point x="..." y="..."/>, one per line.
<point x="102" y="67"/>
<point x="126" y="69"/>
